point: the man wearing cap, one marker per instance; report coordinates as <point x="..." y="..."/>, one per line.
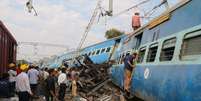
<point x="23" y="85"/>
<point x="129" y="63"/>
<point x="12" y="77"/>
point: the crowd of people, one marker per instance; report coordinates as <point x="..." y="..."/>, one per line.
<point x="29" y="83"/>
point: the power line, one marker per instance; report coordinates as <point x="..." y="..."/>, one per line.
<point x="128" y="9"/>
<point x="91" y="22"/>
<point x="152" y="11"/>
<point x="42" y="44"/>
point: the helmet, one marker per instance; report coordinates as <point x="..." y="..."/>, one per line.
<point x="24" y="67"/>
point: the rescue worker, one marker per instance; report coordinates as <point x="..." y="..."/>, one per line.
<point x="62" y="80"/>
<point x="136" y="21"/>
<point x="33" y="74"/>
<point x="12" y="77"/>
<point x="130" y="63"/>
<point x="75" y="84"/>
<point x="22" y="84"/>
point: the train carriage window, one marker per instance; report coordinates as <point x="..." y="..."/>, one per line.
<point x="103" y="50"/>
<point x="191" y="47"/>
<point x="141" y="54"/>
<point x="119" y="59"/>
<point x="122" y="58"/>
<point x="168" y="50"/>
<point x="93" y="53"/>
<point x="89" y="53"/>
<point x="152" y="53"/>
<point x="97" y="52"/>
<point x="138" y="41"/>
<point x="108" y="49"/>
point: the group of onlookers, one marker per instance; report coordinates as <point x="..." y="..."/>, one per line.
<point x="29" y="82"/>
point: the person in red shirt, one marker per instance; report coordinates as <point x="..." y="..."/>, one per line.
<point x="18" y="70"/>
<point x="136" y="21"/>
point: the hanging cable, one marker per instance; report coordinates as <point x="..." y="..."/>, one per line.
<point x="132" y="7"/>
<point x="152" y="11"/>
<point x="126" y="10"/>
<point x="93" y="18"/>
<point x="91" y="22"/>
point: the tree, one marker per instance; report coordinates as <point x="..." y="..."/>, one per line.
<point x="113" y="33"/>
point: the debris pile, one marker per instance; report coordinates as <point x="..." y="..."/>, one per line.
<point x="94" y="83"/>
<point x="92" y="77"/>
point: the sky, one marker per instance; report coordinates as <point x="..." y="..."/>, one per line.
<point x="64" y="21"/>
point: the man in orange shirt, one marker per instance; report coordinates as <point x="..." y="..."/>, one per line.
<point x="136" y="21"/>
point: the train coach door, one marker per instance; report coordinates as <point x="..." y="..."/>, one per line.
<point x="138" y="40"/>
<point x="117" y="41"/>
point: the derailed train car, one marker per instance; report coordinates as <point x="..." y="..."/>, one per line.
<point x="98" y="53"/>
<point x="169" y="61"/>
<point x="8" y="48"/>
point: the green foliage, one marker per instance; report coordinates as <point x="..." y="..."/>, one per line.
<point x="113" y="33"/>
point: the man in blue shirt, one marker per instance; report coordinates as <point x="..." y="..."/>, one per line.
<point x="129" y="63"/>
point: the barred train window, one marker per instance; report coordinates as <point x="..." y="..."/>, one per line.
<point x="93" y="52"/>
<point x="191" y="47"/>
<point x="168" y="50"/>
<point x="103" y="50"/>
<point x="119" y="59"/>
<point x="98" y="51"/>
<point x="141" y="55"/>
<point x="89" y="54"/>
<point x="108" y="49"/>
<point x="152" y="53"/>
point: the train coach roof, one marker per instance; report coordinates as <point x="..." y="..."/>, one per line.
<point x="170" y="10"/>
<point x="8" y="32"/>
<point x="104" y="41"/>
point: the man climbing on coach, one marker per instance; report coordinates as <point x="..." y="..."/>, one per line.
<point x="130" y="64"/>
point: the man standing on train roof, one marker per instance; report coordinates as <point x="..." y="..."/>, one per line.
<point x="136" y="21"/>
<point x="22" y="84"/>
<point x="12" y="77"/>
<point x="129" y="63"/>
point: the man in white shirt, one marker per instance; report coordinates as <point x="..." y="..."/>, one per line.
<point x="45" y="74"/>
<point x="62" y="80"/>
<point x="23" y="85"/>
<point x="33" y="74"/>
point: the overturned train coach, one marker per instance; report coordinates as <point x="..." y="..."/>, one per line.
<point x="8" y="46"/>
<point x="99" y="53"/>
<point x="169" y="60"/>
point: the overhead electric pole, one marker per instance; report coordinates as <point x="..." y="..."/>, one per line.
<point x="110" y="11"/>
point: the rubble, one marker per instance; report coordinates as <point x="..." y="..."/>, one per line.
<point x="94" y="83"/>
